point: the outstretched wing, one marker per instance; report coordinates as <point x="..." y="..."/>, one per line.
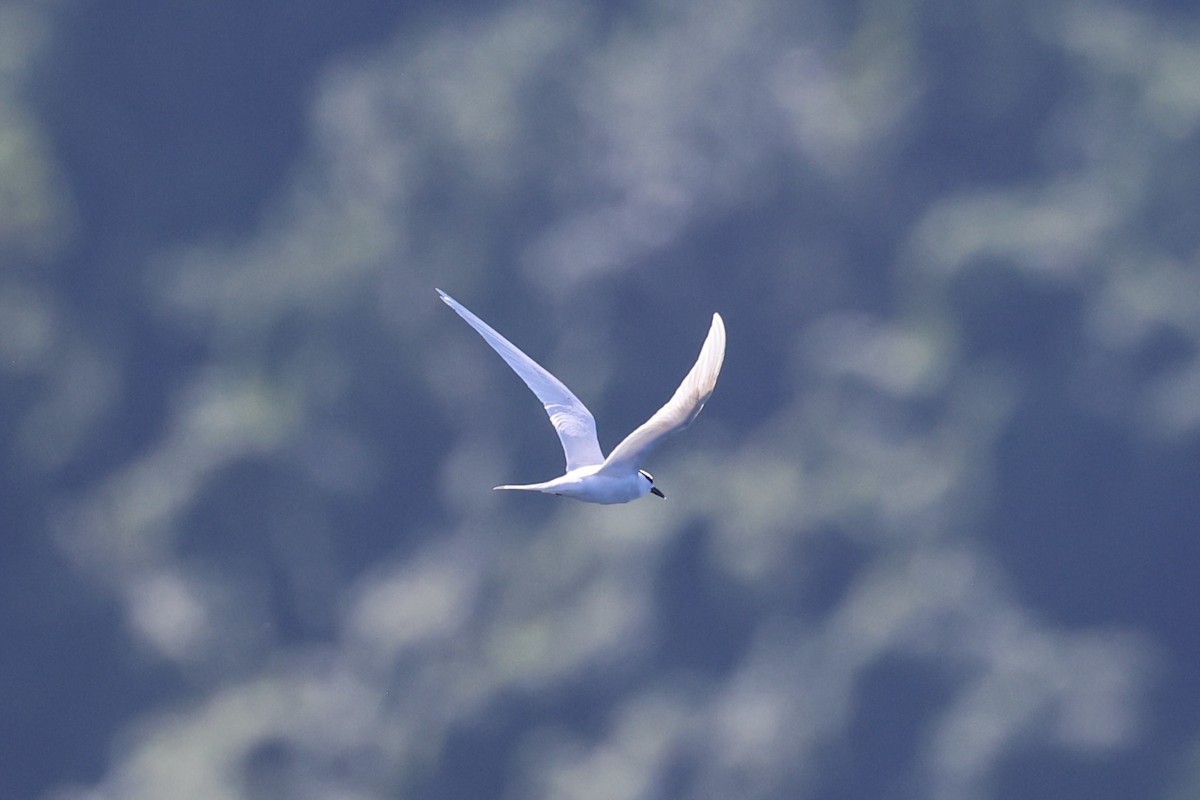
<point x="575" y="424"/>
<point x="679" y="411"/>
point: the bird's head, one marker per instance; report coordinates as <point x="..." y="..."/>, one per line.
<point x="650" y="480"/>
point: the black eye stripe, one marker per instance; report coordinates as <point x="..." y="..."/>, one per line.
<point x="647" y="475"/>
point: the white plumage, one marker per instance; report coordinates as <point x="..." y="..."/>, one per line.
<point x="590" y="476"/>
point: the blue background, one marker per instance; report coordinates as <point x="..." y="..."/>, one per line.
<point x="934" y="536"/>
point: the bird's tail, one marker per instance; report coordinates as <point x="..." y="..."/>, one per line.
<point x="525" y="487"/>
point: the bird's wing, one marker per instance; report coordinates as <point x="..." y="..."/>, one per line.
<point x="679" y="411"/>
<point x="575" y="424"/>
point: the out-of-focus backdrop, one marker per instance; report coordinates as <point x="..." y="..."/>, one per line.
<point x="936" y="535"/>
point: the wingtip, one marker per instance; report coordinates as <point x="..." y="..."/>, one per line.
<point x="718" y="327"/>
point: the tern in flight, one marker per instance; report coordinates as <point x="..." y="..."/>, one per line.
<point x="590" y="476"/>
